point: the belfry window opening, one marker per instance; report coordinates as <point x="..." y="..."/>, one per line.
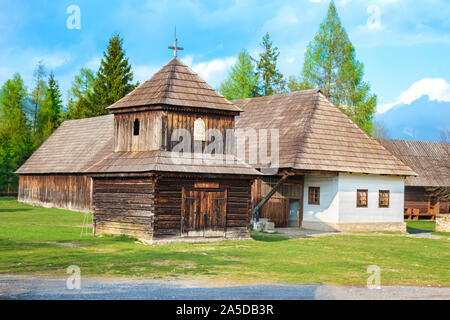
<point x="136" y="127"/>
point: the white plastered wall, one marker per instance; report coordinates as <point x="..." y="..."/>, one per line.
<point x="328" y="210"/>
<point x="338" y="200"/>
<point x="349" y="183"/>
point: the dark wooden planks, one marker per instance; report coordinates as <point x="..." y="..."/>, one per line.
<point x="60" y="191"/>
<point x="418" y="198"/>
<point x="276" y="209"/>
<point x="149" y="137"/>
<point x="173" y="120"/>
<point x="169" y="204"/>
<point x="124" y="206"/>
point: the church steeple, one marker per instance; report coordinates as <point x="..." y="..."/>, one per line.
<point x="174" y="85"/>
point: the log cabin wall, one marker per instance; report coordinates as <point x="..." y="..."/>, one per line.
<point x="71" y="192"/>
<point x="124" y="206"/>
<point x="276" y="209"/>
<point x="172" y="120"/>
<point x="168" y="205"/>
<point x="149" y="137"/>
<point x="417" y="198"/>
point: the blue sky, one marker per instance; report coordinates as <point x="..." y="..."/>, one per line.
<point x="404" y="44"/>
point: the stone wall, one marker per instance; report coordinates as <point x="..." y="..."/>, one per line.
<point x="443" y="223"/>
<point x="352" y="227"/>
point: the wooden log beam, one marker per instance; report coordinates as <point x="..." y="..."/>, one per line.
<point x="271" y="192"/>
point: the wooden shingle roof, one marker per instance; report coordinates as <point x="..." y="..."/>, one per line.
<point x="163" y="161"/>
<point x="86" y="146"/>
<point x="316" y="135"/>
<point x="430" y="160"/>
<point x="73" y="147"/>
<point x="175" y="85"/>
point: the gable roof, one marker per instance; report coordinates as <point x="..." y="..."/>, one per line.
<point x="73" y="147"/>
<point x="316" y="135"/>
<point x="86" y="146"/>
<point x="430" y="160"/>
<point x="175" y="85"/>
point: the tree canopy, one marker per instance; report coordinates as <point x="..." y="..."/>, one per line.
<point x="114" y="77"/>
<point x="81" y="101"/>
<point x="331" y="65"/>
<point x="271" y="79"/>
<point x="15" y="132"/>
<point x="242" y="81"/>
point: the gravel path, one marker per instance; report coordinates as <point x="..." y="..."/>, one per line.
<point x="47" y="288"/>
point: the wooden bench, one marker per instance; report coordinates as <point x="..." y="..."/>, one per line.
<point x="408" y="213"/>
<point x="415" y="214"/>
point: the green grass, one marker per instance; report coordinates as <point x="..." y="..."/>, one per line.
<point x="425" y="226"/>
<point x="421" y="225"/>
<point x="36" y="240"/>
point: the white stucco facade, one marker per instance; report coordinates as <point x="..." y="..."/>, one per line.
<point x="338" y="210"/>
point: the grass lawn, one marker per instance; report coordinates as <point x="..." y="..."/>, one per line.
<point x="421" y="225"/>
<point x="425" y="226"/>
<point x="36" y="240"/>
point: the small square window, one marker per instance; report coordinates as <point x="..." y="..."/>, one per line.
<point x="314" y="195"/>
<point x="362" y="200"/>
<point x="383" y="199"/>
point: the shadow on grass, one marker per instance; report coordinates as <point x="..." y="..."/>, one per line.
<point x="15" y="210"/>
<point x="265" y="237"/>
<point x="420" y="226"/>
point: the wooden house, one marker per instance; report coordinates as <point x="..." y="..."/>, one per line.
<point x="427" y="194"/>
<point x="124" y="167"/>
<point x="331" y="176"/>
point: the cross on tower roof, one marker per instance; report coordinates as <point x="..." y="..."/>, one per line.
<point x="175" y="48"/>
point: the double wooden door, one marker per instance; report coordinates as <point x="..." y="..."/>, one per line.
<point x="203" y="212"/>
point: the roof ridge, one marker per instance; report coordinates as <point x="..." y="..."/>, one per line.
<point x="278" y="95"/>
<point x="417" y="141"/>
<point x="307" y="128"/>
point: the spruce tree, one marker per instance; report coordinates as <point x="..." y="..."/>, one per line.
<point x="242" y="80"/>
<point x="272" y="79"/>
<point x="114" y="77"/>
<point x="331" y="65"/>
<point x="37" y="96"/>
<point x="51" y="113"/>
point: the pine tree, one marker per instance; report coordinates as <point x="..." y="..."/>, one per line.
<point x="331" y="65"/>
<point x="243" y="80"/>
<point x="114" y="78"/>
<point x="272" y="79"/>
<point x="51" y="112"/>
<point x="81" y="101"/>
<point x="37" y="96"/>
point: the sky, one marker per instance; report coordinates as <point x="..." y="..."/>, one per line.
<point x="404" y="44"/>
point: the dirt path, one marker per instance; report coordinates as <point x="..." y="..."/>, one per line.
<point x="45" y="288"/>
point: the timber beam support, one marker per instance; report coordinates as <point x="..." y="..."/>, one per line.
<point x="284" y="177"/>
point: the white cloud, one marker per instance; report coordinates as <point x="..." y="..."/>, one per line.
<point x="144" y="72"/>
<point x="93" y="64"/>
<point x="374" y="20"/>
<point x="54" y="60"/>
<point x="213" y="71"/>
<point x="437" y="89"/>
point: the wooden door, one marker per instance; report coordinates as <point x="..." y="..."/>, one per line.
<point x="203" y="212"/>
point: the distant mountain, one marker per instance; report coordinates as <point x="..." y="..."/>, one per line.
<point x="421" y="120"/>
